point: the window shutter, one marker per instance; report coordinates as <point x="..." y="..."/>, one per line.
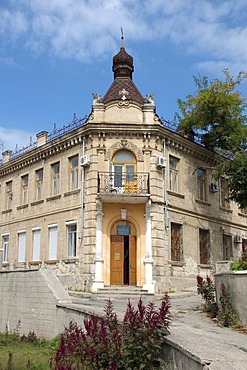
<point x="36" y="245"/>
<point x="53" y="243"/>
<point x="22" y="247"/>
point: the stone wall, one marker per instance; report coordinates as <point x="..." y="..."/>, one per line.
<point x="236" y="286"/>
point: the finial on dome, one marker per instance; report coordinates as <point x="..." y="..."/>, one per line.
<point x="122" y="38"/>
<point x="122" y="62"/>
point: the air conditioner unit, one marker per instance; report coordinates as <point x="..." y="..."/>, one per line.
<point x="238" y="238"/>
<point x="213" y="187"/>
<point x="161" y="162"/>
<point x="85" y="160"/>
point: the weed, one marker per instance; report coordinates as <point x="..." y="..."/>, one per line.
<point x="31" y="337"/>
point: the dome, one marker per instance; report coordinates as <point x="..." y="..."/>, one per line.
<point x="122" y="63"/>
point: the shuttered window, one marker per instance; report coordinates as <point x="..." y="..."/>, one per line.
<point x="227" y="247"/>
<point x="53" y="242"/>
<point x="21" y="246"/>
<point x="176" y="242"/>
<point x="36" y="244"/>
<point x="204" y="241"/>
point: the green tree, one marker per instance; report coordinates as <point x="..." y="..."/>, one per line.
<point x="217" y="113"/>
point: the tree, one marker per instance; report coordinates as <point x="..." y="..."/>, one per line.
<point x="217" y="113"/>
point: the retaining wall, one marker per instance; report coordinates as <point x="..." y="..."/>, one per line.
<point x="236" y="286"/>
<point x="28" y="302"/>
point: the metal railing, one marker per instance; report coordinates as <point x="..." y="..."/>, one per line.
<point x="76" y="123"/>
<point x="123" y="183"/>
<point x="56" y="133"/>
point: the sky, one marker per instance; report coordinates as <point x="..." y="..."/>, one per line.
<point x="55" y="53"/>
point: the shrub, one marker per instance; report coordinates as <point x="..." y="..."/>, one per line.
<point x="241" y="265"/>
<point x="227" y="316"/>
<point x="104" y="343"/>
<point x="206" y="289"/>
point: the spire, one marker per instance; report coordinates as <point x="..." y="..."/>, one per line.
<point x="122" y="62"/>
<point x="122" y="38"/>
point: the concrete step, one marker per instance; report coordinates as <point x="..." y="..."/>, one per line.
<point x="121" y="292"/>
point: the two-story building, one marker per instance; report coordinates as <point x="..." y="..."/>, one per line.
<point x="117" y="198"/>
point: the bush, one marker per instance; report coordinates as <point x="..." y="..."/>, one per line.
<point x="104" y="343"/>
<point x="224" y="313"/>
<point x="227" y="316"/>
<point x="241" y="265"/>
<point x="206" y="289"/>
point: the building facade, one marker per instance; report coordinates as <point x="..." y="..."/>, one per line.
<point x="117" y="198"/>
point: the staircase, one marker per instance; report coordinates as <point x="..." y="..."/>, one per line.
<point x="121" y="293"/>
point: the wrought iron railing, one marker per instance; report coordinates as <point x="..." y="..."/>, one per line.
<point x="76" y="123"/>
<point x="123" y="183"/>
<point x="56" y="133"/>
<point x="174" y="126"/>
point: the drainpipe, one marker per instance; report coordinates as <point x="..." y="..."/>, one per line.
<point x="165" y="192"/>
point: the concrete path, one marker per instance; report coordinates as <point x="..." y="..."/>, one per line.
<point x="191" y="330"/>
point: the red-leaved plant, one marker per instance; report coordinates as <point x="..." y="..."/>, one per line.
<point x="105" y="343"/>
<point x="206" y="289"/>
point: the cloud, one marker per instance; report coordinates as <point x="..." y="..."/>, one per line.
<point x="10" y="137"/>
<point x="84" y="30"/>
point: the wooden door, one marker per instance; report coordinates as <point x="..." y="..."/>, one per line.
<point x="117" y="259"/>
<point x="132" y="260"/>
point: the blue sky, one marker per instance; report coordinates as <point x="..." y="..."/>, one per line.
<point x="55" y="53"/>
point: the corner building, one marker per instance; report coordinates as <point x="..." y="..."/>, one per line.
<point x="118" y="198"/>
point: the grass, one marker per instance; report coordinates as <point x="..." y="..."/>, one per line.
<point x="31" y="353"/>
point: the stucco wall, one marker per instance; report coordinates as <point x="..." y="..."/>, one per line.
<point x="236" y="286"/>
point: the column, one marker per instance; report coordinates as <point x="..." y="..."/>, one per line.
<point x="98" y="260"/>
<point x="148" y="261"/>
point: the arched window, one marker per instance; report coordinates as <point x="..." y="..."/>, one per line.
<point x="124" y="168"/>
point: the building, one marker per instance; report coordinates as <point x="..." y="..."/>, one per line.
<point x="117" y="198"/>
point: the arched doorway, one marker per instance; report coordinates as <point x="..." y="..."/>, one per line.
<point x="123" y="253"/>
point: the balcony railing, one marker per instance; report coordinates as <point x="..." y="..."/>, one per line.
<point x="123" y="183"/>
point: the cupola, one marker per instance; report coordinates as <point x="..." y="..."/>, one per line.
<point x="122" y="63"/>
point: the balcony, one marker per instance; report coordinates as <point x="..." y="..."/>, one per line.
<point x="123" y="186"/>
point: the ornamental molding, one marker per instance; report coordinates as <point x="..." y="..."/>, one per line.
<point x="124" y="145"/>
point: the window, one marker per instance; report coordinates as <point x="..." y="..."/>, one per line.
<point x="224" y="193"/>
<point x="39" y="183"/>
<point x="244" y="245"/>
<point x="124" y="168"/>
<point x="9" y="195"/>
<point x="201" y="184"/>
<point x="55" y="178"/>
<point x="71" y="229"/>
<point x="52" y="242"/>
<point x="24" y="183"/>
<point x="36" y="244"/>
<point x="21" y="246"/>
<point x="74" y="173"/>
<point x="173" y="174"/>
<point x="204" y="242"/>
<point x="227" y="247"/>
<point x="176" y="242"/>
<point x="5" y="247"/>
